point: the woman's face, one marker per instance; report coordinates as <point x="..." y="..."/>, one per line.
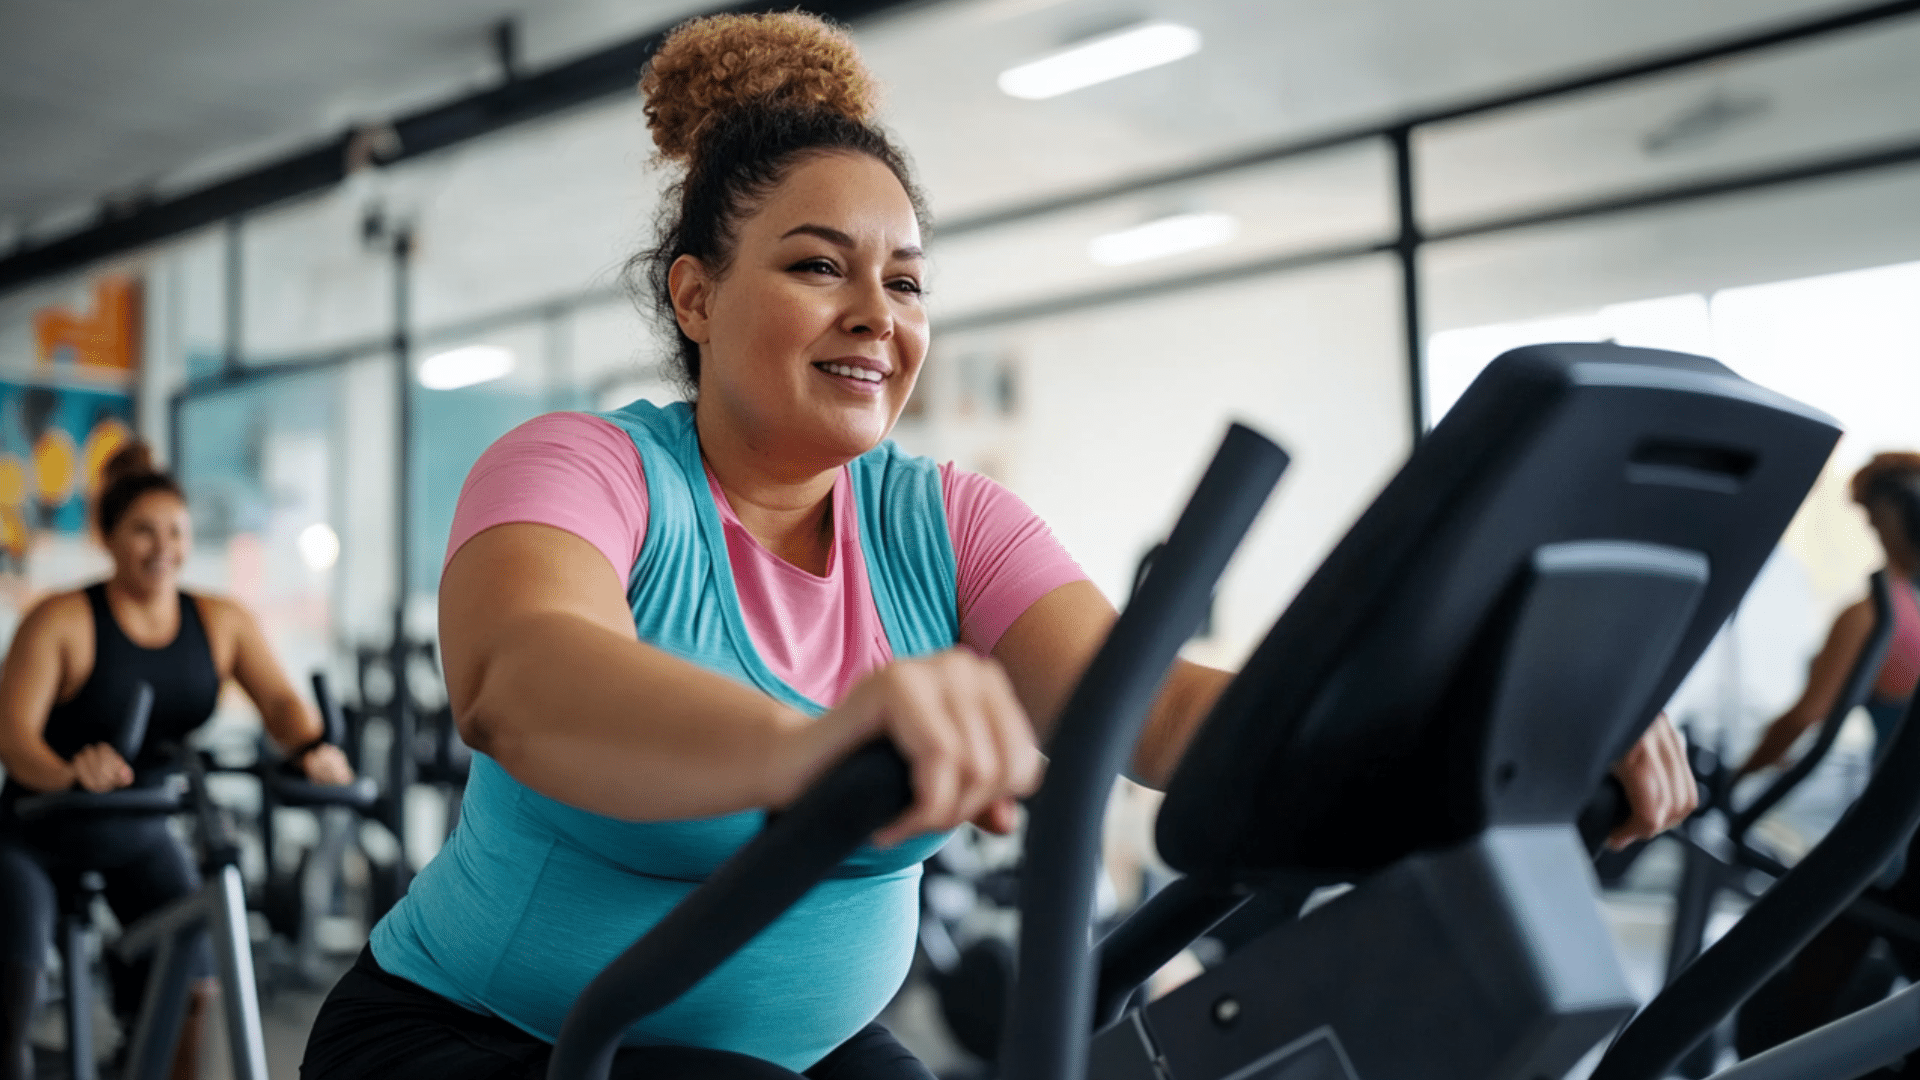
<point x="149" y="543"/>
<point x="812" y="341"/>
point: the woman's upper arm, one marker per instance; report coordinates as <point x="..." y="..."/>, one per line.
<point x="1047" y="648"/>
<point x="505" y="575"/>
<point x="255" y="667"/>
<point x="35" y="665"/>
<point x="1828" y="672"/>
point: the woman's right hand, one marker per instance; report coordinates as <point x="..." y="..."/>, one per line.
<point x="965" y="736"/>
<point x="100" y="768"/>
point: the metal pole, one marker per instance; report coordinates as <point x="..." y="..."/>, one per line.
<point x="233" y="950"/>
<point x="400" y="707"/>
<point x="236" y="295"/>
<point x="1407" y="247"/>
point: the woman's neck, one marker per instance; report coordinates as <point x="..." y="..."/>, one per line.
<point x="158" y="599"/>
<point x="787" y="507"/>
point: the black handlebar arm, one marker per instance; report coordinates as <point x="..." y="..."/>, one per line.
<point x="748" y="892"/>
<point x="1858" y="684"/>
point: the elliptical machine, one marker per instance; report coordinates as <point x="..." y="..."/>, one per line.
<point x="1427" y="719"/>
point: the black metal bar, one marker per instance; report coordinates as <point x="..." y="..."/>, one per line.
<point x="1406" y="248"/>
<point x="1664" y="62"/>
<point x="1050" y="1016"/>
<point x="1167" y="923"/>
<point x="1828" y="168"/>
<point x="401" y="715"/>
<point x="605" y="73"/>
<point x="1124" y="294"/>
<point x="1821" y="169"/>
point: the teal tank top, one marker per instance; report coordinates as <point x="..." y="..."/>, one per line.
<point x="531" y="897"/>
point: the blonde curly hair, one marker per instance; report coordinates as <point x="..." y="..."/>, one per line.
<point x="709" y="66"/>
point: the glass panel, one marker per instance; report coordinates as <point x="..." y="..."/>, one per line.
<point x="1844" y="93"/>
<point x="1102" y="420"/>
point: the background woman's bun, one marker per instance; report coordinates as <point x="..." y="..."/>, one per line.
<point x="710" y="65"/>
<point x="133" y="459"/>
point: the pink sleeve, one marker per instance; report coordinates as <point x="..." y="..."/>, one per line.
<point x="568" y="470"/>
<point x="1007" y="556"/>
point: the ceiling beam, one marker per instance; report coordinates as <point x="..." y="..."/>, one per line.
<point x="530" y="95"/>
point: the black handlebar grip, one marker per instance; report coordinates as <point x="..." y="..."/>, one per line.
<point x="133" y="726"/>
<point x="333" y="726"/>
<point x="1608" y="810"/>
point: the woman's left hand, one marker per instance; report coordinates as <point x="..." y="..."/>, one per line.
<point x="325" y="764"/>
<point x="1659" y="783"/>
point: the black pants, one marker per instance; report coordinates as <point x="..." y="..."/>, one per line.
<point x="378" y="1026"/>
<point x="145" y="868"/>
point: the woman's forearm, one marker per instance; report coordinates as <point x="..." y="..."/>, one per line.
<point x="1185" y="702"/>
<point x="611" y="725"/>
<point x="33" y="763"/>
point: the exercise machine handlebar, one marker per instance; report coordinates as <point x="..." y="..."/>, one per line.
<point x="1781" y="922"/>
<point x="126" y="741"/>
<point x="1051" y="1013"/>
<point x="763" y="879"/>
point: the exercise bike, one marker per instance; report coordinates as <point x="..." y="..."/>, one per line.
<point x="218" y="910"/>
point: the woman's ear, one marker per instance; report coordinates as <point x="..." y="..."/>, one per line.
<point x="692" y="290"/>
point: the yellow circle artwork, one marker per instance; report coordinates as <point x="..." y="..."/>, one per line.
<point x="54" y="457"/>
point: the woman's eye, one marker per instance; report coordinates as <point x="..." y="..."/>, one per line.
<point x="815" y="266"/>
<point x="906" y="285"/>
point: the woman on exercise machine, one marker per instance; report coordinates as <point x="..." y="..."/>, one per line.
<point x="70" y="675"/>
<point x="1888" y="489"/>
<point x="659" y="622"/>
<point x="1830" y="976"/>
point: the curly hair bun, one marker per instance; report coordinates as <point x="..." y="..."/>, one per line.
<point x="710" y="65"/>
<point x="133" y="459"/>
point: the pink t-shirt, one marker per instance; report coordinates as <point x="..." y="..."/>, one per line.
<point x="820" y="635"/>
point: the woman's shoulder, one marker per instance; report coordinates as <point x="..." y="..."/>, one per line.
<point x="56" y="616"/>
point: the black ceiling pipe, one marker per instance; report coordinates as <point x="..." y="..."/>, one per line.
<point x="529" y="96"/>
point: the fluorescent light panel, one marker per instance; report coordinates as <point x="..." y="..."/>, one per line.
<point x="465" y="366"/>
<point x="1109" y="57"/>
<point x="1162" y="237"/>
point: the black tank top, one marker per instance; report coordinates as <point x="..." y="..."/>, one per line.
<point x="185" y="688"/>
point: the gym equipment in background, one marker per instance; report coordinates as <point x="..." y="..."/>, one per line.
<point x="217" y="909"/>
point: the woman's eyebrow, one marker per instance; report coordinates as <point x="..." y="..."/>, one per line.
<point x="840" y="239"/>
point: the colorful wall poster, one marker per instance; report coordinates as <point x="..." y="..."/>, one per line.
<point x="54" y="442"/>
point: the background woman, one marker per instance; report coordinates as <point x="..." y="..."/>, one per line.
<point x="1828" y="979"/>
<point x="68" y="680"/>
<point x="659" y="622"/>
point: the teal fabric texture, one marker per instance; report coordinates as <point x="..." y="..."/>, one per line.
<point x="531" y="897"/>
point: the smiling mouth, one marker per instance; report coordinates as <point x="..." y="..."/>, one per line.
<point x="847" y="371"/>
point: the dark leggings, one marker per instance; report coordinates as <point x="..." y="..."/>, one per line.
<point x="378" y="1026"/>
<point x="144" y="867"/>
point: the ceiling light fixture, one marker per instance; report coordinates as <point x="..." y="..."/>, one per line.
<point x="1107" y="57"/>
<point x="1162" y="237"/>
<point x="465" y="366"/>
